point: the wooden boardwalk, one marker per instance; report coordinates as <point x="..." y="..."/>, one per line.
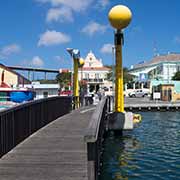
<point x="56" y="152"/>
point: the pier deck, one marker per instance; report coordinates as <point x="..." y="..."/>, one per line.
<point x="56" y="152"/>
<point x="144" y="104"/>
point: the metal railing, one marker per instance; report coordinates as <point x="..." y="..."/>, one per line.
<point x="94" y="137"/>
<point x="19" y="122"/>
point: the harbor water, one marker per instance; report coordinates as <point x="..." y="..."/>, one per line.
<point x="150" y="152"/>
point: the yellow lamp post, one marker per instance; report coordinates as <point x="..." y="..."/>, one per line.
<point x="76" y="84"/>
<point x="119" y="17"/>
<point x="78" y="62"/>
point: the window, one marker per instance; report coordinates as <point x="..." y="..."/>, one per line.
<point x="86" y="76"/>
<point x="178" y="67"/>
<point x="45" y="94"/>
<point x="96" y="76"/>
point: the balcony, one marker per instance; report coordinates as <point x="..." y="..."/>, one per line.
<point x="94" y="80"/>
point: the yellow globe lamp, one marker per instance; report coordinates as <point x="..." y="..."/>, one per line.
<point x="120" y="16"/>
<point x="81" y="62"/>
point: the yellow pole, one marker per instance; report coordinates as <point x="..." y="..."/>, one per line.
<point x="119" y="95"/>
<point x="119" y="17"/>
<point x="76" y="84"/>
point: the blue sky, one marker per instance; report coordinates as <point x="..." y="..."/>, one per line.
<point x="37" y="32"/>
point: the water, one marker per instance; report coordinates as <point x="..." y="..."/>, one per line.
<point x="150" y="152"/>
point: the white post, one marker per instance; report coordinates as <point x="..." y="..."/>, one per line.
<point x="134" y="86"/>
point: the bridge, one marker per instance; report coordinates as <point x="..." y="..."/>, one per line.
<point x="31" y="69"/>
<point x="45" y="139"/>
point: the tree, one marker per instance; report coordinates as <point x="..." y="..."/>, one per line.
<point x="126" y="76"/>
<point x="47" y="81"/>
<point x="64" y="79"/>
<point x="176" y="77"/>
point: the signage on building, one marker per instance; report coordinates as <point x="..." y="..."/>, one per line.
<point x="143" y="77"/>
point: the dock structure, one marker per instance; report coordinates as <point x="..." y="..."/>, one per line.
<point x="56" y="152"/>
<point x="133" y="105"/>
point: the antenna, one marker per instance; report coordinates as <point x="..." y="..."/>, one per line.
<point x="155" y="51"/>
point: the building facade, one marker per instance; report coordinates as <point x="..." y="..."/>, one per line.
<point x="94" y="73"/>
<point x="43" y="90"/>
<point x="161" y="67"/>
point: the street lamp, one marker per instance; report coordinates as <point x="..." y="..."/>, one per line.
<point x="78" y="62"/>
<point x="119" y="17"/>
<point x="69" y="50"/>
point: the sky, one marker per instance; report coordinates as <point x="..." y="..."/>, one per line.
<point x="36" y="33"/>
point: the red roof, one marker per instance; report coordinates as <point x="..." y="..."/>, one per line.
<point x="4" y="85"/>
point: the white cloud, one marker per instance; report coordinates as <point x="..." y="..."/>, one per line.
<point x="9" y="50"/>
<point x="93" y="27"/>
<point x="59" y="14"/>
<point x="62" y="10"/>
<point x="76" y="5"/>
<point x="107" y="48"/>
<point x="37" y="61"/>
<point x="177" y="39"/>
<point x="50" y="38"/>
<point x="103" y="3"/>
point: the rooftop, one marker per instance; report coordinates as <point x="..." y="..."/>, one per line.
<point x="172" y="57"/>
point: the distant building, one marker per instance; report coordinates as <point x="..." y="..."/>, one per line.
<point x="11" y="78"/>
<point x="94" y="73"/>
<point x="161" y="67"/>
<point x="43" y="90"/>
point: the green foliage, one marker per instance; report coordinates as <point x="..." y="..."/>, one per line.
<point x="127" y="78"/>
<point x="48" y="81"/>
<point x="176" y="77"/>
<point x="64" y="79"/>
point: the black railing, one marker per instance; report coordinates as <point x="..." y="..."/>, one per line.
<point x="19" y="122"/>
<point x="94" y="137"/>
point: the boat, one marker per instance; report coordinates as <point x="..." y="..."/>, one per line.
<point x="17" y="95"/>
<point x="14" y="94"/>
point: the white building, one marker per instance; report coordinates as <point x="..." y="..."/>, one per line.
<point x="94" y="73"/>
<point x="43" y="90"/>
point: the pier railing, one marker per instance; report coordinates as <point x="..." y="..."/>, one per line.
<point x="94" y="137"/>
<point x="19" y="122"/>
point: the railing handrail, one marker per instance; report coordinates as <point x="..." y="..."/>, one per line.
<point x="91" y="133"/>
<point x="28" y="103"/>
